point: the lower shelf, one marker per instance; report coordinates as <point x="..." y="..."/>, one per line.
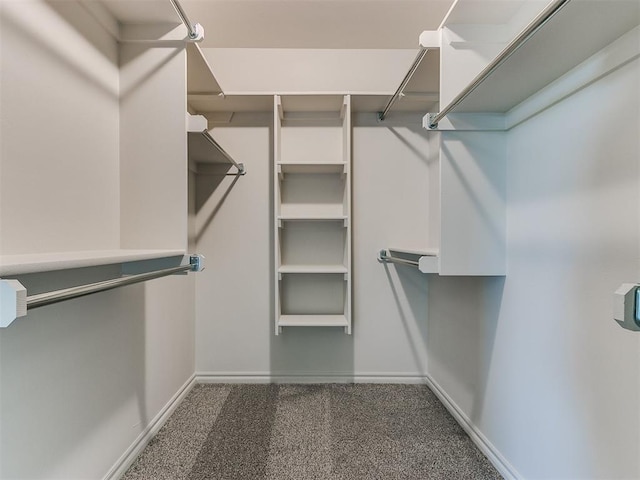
<point x="313" y="321"/>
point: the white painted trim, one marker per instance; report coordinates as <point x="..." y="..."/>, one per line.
<point x="267" y="377"/>
<point x="486" y="447"/>
<point x="129" y="456"/>
<point x="613" y="56"/>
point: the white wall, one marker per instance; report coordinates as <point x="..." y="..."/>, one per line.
<point x="234" y="332"/>
<point x="80" y="380"/>
<point x="47" y="71"/>
<point x="537" y="362"/>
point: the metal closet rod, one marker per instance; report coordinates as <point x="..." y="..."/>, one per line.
<point x="531" y="29"/>
<point x="193" y="33"/>
<point x="403" y="84"/>
<point x="383" y="257"/>
<point x="48" y="298"/>
<point x="239" y="166"/>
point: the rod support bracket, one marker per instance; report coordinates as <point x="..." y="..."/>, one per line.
<point x="197" y="262"/>
<point x="626" y="308"/>
<point x="13" y="301"/>
<point x="197" y="35"/>
<point x="430" y="123"/>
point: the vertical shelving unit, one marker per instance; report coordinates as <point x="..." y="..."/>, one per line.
<point x="312" y="188"/>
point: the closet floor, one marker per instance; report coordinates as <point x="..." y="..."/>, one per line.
<point x="331" y="431"/>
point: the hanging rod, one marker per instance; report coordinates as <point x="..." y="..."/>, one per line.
<point x="195" y="30"/>
<point x="239" y="166"/>
<point x="48" y="298"/>
<point x="427" y="260"/>
<point x="414" y="66"/>
<point x="541" y="20"/>
<point x="384" y="257"/>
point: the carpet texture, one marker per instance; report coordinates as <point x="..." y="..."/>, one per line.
<point x="323" y="432"/>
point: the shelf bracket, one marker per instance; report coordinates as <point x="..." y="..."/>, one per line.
<point x="429" y="121"/>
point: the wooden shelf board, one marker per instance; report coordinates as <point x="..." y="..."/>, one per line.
<point x="200" y="77"/>
<point x="311" y="218"/>
<point x="212" y="103"/>
<point x="312" y="167"/>
<point x="45" y="262"/>
<point x="312" y="103"/>
<point x="582" y="28"/>
<point x="201" y="151"/>
<point x="312" y="269"/>
<point x="313" y="321"/>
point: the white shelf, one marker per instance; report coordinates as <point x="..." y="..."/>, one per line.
<point x="312" y="218"/>
<point x="313" y="321"/>
<point x="575" y="33"/>
<point x="312" y="269"/>
<point x="45" y="262"/>
<point x="200" y="77"/>
<point x="200" y="149"/>
<point x="322" y="168"/>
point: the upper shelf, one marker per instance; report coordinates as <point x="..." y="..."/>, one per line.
<point x="576" y="32"/>
<point x="11" y="265"/>
<point x="200" y="77"/>
<point x="203" y="148"/>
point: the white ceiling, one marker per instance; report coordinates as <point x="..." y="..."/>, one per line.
<point x="296" y="23"/>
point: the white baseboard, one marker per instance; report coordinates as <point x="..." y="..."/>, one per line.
<point x="128" y="457"/>
<point x="495" y="457"/>
<point x="266" y="377"/>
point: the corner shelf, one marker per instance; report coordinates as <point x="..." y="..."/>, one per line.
<point x="12" y="265"/>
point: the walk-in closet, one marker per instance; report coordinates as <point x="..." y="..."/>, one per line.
<point x="319" y="239"/>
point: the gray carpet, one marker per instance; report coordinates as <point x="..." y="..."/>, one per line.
<point x="328" y="432"/>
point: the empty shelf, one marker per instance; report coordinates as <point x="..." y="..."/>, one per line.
<point x="200" y="77"/>
<point x="312" y="167"/>
<point x="312" y="218"/>
<point x="522" y="74"/>
<point x="313" y="321"/>
<point x="312" y="269"/>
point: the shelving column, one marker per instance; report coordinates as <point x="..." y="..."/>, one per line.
<point x="312" y="201"/>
